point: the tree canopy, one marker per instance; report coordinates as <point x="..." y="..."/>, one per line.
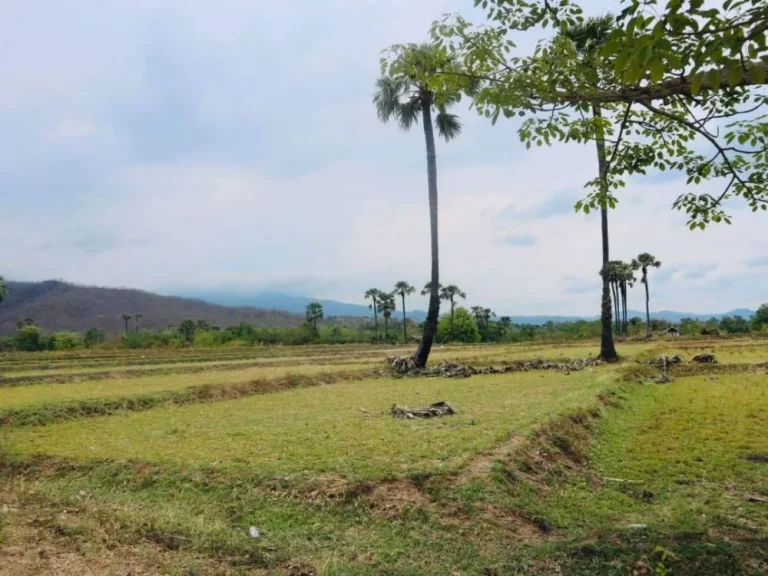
<point x="680" y="85"/>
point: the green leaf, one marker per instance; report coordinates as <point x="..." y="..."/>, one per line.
<point x="735" y="75"/>
<point x="757" y="74"/>
<point x="696" y="81"/>
<point x="657" y="69"/>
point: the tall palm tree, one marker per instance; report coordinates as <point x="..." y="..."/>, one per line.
<point x="404" y="289"/>
<point x="313" y="313"/>
<point x="587" y="38"/>
<point x="450" y="293"/>
<point x="374" y="294"/>
<point x="3" y="289"/>
<point x="643" y="262"/>
<point x="126" y="319"/>
<point x="412" y="85"/>
<point x="386" y="306"/>
<point x="136" y="318"/>
<point x="626" y="280"/>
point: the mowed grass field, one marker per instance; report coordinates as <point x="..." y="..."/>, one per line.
<point x="162" y="462"/>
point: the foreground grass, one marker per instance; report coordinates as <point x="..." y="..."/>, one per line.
<point x="43" y="394"/>
<point x="344" y="428"/>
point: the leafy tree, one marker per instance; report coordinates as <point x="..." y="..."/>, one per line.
<point x="126" y="318"/>
<point x="28" y="339"/>
<point x="462" y="328"/>
<point x="734" y="325"/>
<point x="643" y="262"/>
<point x="314" y="313"/>
<point x="93" y="337"/>
<point x="450" y="293"/>
<point x="374" y="294"/>
<point x="412" y="85"/>
<point x="386" y="306"/>
<point x="675" y="78"/>
<point x="760" y="318"/>
<point x="404" y="289"/>
<point x="187" y="330"/>
<point x="136" y="319"/>
<point x="483" y="318"/>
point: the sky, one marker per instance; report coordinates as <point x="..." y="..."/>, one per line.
<point x="188" y="145"/>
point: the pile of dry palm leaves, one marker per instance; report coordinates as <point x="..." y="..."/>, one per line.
<point x="436" y="410"/>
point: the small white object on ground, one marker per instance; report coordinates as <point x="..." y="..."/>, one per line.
<point x="254" y="532"/>
<point x="638" y="526"/>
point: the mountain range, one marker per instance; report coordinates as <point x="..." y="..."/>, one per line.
<point x="56" y="305"/>
<point x="297" y="304"/>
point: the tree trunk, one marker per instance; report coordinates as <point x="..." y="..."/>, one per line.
<point x="405" y="328"/>
<point x="624" y="307"/>
<point x="607" y="347"/>
<point x="430" y="324"/>
<point x="452" y="309"/>
<point x="375" y="320"/>
<point x="126" y="326"/>
<point x="615" y="291"/>
<point x="386" y="327"/>
<point x="647" y="306"/>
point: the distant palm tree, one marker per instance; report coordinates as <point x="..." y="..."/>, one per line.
<point x="386" y="307"/>
<point x="626" y="280"/>
<point x="404" y="289"/>
<point x="427" y="290"/>
<point x="450" y="293"/>
<point x="374" y="294"/>
<point x="136" y="318"/>
<point x="404" y="92"/>
<point x="587" y="38"/>
<point x="3" y="289"/>
<point x="126" y="319"/>
<point x="643" y="262"/>
<point x="314" y="313"/>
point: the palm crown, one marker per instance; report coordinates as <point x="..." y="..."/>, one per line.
<point x="402" y="288"/>
<point x="405" y="89"/>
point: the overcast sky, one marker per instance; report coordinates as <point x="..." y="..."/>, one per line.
<point x="186" y="145"/>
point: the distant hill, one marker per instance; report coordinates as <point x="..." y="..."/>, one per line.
<point x="291" y="303"/>
<point x="55" y="305"/>
<point x="297" y="304"/>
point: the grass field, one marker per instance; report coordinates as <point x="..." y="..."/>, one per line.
<point x="161" y="462"/>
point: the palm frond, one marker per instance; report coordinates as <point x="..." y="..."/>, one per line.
<point x="448" y="125"/>
<point x="387" y="97"/>
<point x="408" y="113"/>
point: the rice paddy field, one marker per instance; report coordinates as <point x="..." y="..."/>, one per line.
<point x="286" y="460"/>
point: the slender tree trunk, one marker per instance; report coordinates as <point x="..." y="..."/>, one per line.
<point x="126" y="326"/>
<point x="452" y="309"/>
<point x="430" y="324"/>
<point x="405" y="328"/>
<point x="624" y="307"/>
<point x="607" y="347"/>
<point x="615" y="291"/>
<point x="386" y="327"/>
<point x="647" y="306"/>
<point x="375" y="320"/>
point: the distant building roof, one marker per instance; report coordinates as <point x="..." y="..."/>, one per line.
<point x="672" y="330"/>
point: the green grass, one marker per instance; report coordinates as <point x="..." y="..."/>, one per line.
<point x="342" y="428"/>
<point x="33" y="395"/>
<point x="304" y="465"/>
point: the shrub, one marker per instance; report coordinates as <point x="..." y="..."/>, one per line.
<point x="464" y="327"/>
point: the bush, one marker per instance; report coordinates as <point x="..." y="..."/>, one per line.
<point x="93" y="337"/>
<point x="28" y="339"/>
<point x="464" y="327"/>
<point x="64" y="341"/>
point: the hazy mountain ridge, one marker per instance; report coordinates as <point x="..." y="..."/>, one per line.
<point x="296" y="305"/>
<point x="56" y="305"/>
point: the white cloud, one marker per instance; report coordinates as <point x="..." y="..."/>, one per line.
<point x="71" y="129"/>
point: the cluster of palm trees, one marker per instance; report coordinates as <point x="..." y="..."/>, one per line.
<point x="135" y="317"/>
<point x="621" y="276"/>
<point x="385" y="303"/>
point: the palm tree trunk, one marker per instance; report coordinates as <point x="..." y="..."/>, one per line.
<point x="647" y="306"/>
<point x="405" y="328"/>
<point x="375" y="321"/>
<point x="452" y="316"/>
<point x="607" y="347"/>
<point x="126" y="326"/>
<point x="386" y="326"/>
<point x="615" y="291"/>
<point x="430" y="324"/>
<point x="624" y="307"/>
